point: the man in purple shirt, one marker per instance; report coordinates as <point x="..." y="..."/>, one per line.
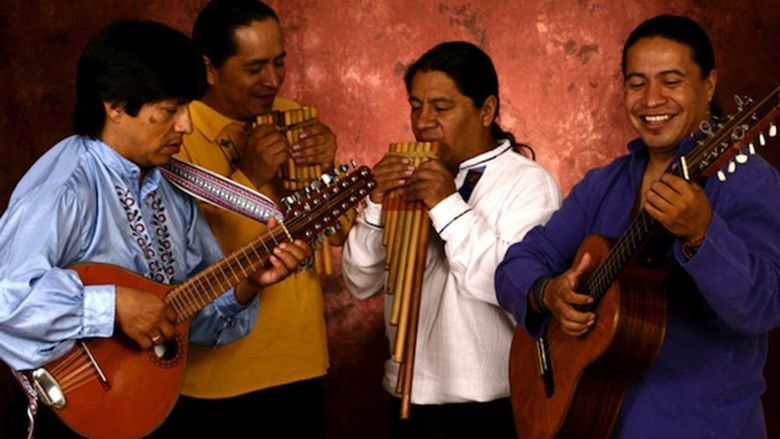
<point x="723" y="293"/>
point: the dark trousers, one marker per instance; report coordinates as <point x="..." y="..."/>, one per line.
<point x="492" y="419"/>
<point x="287" y="411"/>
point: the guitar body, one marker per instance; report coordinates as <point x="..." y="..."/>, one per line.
<point x="592" y="372"/>
<point x="142" y="384"/>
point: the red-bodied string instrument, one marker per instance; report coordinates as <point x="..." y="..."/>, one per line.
<point x="110" y="387"/>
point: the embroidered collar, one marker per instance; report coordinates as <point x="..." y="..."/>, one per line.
<point x="485" y="157"/>
<point x="127" y="170"/>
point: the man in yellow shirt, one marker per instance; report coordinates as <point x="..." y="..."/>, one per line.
<point x="272" y="380"/>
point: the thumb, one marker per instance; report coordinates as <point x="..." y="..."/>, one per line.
<point x="578" y="270"/>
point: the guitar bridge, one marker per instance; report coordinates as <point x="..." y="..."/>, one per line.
<point x="47" y="388"/>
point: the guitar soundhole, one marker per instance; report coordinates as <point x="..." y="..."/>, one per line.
<point x="169" y="353"/>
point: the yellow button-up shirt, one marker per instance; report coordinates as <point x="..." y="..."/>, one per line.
<point x="288" y="343"/>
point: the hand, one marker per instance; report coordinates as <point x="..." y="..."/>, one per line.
<point x="390" y="173"/>
<point x="431" y="183"/>
<point x="144" y="317"/>
<point x="284" y="261"/>
<point x="680" y="206"/>
<point x="560" y="298"/>
<point x="316" y="146"/>
<point x="266" y="150"/>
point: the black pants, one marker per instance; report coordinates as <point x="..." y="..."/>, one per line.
<point x="492" y="419"/>
<point x="287" y="411"/>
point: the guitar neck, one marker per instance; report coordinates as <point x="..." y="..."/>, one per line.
<point x="191" y="296"/>
<point x="309" y="213"/>
<point x="721" y="141"/>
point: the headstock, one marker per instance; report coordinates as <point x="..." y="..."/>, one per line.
<point x="734" y="136"/>
<point x="313" y="210"/>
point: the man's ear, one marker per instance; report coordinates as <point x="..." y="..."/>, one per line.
<point x="488" y="111"/>
<point x="211" y="71"/>
<point x="114" y="110"/>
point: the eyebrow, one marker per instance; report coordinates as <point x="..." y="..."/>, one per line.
<point x="434" y="100"/>
<point x="664" y="72"/>
<point x="262" y="61"/>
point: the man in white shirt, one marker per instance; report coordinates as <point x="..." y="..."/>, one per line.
<point x="460" y="378"/>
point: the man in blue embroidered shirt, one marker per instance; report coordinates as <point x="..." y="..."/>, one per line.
<point x="97" y="196"/>
<point x="723" y="293"/>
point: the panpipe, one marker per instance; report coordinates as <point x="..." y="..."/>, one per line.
<point x="406" y="231"/>
<point x="295" y="177"/>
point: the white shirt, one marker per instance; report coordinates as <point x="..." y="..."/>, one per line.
<point x="463" y="338"/>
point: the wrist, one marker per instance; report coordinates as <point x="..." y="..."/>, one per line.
<point x="691" y="246"/>
<point x="536" y="294"/>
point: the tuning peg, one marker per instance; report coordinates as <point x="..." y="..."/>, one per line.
<point x="344" y="167"/>
<point x="762" y="139"/>
<point x="732" y="167"/>
<point x="772" y="130"/>
<point x="354" y="163"/>
<point x="721" y="176"/>
<point x="741" y="158"/>
<point x="330" y="231"/>
<point x="326" y="179"/>
<point x="751" y="148"/>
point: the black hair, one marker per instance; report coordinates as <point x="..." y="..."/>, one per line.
<point x="134" y="63"/>
<point x="474" y="75"/>
<point x="682" y="30"/>
<point x="214" y="29"/>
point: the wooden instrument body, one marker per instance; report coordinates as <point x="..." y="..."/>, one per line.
<point x="142" y="388"/>
<point x="592" y="372"/>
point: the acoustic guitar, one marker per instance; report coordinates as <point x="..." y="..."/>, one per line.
<point x="573" y="387"/>
<point x="110" y="387"/>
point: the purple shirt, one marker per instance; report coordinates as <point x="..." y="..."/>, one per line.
<point x="707" y="380"/>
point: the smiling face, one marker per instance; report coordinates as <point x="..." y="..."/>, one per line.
<point x="666" y="96"/>
<point x="439" y="112"/>
<point x="247" y="83"/>
<point x="151" y="137"/>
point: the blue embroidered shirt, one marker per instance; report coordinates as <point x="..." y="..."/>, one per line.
<point x="79" y="203"/>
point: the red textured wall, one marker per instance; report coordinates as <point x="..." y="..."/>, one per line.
<point x="558" y="64"/>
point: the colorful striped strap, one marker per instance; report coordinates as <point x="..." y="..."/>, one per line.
<point x="220" y="191"/>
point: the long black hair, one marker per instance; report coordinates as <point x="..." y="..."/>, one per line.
<point x="473" y="73"/>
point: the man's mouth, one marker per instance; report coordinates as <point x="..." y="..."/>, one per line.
<point x="657" y="118"/>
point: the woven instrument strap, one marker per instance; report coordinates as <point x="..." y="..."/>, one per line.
<point x="32" y="401"/>
<point x="220" y="191"/>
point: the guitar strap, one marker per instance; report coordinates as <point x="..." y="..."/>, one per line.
<point x="220" y="191"/>
<point x="32" y="401"/>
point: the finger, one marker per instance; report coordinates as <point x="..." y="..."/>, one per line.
<point x="143" y="341"/>
<point x="167" y="331"/>
<point x="288" y="257"/>
<point x="572" y="298"/>
<point x="675" y="182"/>
<point x="171" y="315"/>
<point x="573" y="328"/>
<point x="573" y="332"/>
<point x="570" y="314"/>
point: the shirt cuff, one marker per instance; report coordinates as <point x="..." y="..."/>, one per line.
<point x="228" y="306"/>
<point x="446" y="212"/>
<point x="372" y="213"/>
<point x="99" y="310"/>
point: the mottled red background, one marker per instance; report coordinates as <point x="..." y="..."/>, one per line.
<point x="558" y="64"/>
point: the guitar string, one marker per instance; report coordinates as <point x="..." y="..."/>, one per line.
<point x="605" y="275"/>
<point x="77" y="370"/>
